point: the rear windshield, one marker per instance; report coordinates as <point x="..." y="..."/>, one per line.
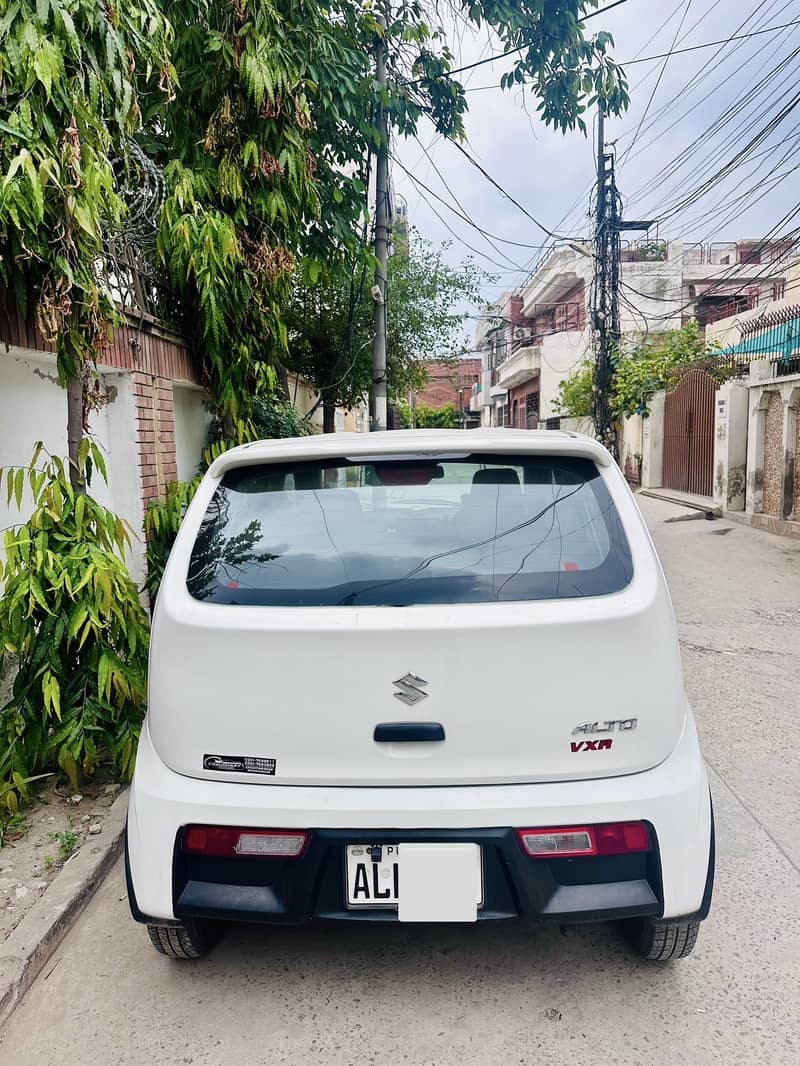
<point x="396" y="532"/>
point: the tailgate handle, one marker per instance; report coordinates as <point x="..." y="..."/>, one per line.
<point x="408" y="732"/>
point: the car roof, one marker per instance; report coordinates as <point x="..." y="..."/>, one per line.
<point x="417" y="442"/>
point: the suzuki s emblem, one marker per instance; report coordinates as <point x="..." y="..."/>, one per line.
<point x="410" y="689"/>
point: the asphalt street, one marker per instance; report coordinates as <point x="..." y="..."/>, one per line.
<point x="433" y="996"/>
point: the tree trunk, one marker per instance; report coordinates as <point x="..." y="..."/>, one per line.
<point x="328" y="417"/>
<point x="228" y="427"/>
<point x="75" y="427"/>
<point x="282" y="383"/>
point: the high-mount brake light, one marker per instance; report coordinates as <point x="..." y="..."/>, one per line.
<point x="223" y="842"/>
<point x="614" y="838"/>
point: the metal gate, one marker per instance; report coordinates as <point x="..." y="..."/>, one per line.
<point x="689" y="434"/>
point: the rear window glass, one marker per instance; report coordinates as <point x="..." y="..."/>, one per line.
<point x="396" y="532"/>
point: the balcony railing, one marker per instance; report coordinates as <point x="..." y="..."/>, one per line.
<point x="130" y="266"/>
<point x="743" y="253"/>
<point x="545" y="320"/>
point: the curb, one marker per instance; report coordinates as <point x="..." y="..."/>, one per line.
<point x="37" y="936"/>
<point x="778" y="527"/>
<point x="709" y="511"/>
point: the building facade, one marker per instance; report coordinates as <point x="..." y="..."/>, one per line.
<point x="451" y="383"/>
<point x="537" y="337"/>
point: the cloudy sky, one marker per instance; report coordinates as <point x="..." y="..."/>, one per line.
<point x="708" y="105"/>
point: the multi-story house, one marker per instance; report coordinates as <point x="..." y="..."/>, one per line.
<point x="499" y="336"/>
<point x="542" y="333"/>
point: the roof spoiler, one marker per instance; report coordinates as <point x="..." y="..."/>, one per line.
<point x="413" y="445"/>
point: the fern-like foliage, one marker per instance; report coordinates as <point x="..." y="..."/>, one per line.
<point x="71" y="617"/>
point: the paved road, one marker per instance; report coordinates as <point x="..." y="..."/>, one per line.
<point x="439" y="996"/>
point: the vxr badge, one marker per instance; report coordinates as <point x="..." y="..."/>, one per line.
<point x="410" y="689"/>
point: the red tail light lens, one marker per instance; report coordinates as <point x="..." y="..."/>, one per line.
<point x="225" y="842"/>
<point x="615" y="838"/>
<point x="621" y="837"/>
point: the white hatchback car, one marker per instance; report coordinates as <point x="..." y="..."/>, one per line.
<point x="420" y="676"/>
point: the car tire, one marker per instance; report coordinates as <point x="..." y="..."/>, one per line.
<point x="660" y="941"/>
<point x="189" y="940"/>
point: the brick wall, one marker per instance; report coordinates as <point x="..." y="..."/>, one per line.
<point x="155" y="434"/>
<point x="773" y="457"/>
<point x="450" y="384"/>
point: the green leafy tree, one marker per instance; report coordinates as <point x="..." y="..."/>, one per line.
<point x="425" y="417"/>
<point x="71" y="72"/>
<point x="267" y="140"/>
<point x="71" y="616"/>
<point x="651" y="365"/>
<point x="264" y="135"/>
<point x="331" y="325"/>
<point x="574" y="397"/>
<point x="640" y="372"/>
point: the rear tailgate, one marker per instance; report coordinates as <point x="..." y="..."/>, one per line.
<point x="518" y="692"/>
<point x="512" y="600"/>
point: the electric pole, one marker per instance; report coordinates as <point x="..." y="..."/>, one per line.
<point x="605" y="300"/>
<point x="382" y="233"/>
<point x="606" y="289"/>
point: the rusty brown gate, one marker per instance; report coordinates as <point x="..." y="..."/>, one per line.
<point x="689" y="434"/>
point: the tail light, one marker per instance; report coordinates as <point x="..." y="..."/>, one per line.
<point x="615" y="838"/>
<point x="224" y="842"/>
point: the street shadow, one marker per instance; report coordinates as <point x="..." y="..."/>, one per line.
<point x="398" y="961"/>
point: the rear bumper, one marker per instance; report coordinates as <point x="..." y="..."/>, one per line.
<point x="672" y="881"/>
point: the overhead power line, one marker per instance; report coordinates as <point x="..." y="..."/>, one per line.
<point x="668" y="108"/>
<point x="712" y="44"/>
<point x="460" y="214"/>
<point x="673" y="52"/>
<point x="504" y="267"/>
<point x="507" y="195"/>
<point x="707" y="69"/>
<point x="702" y="157"/>
<point x="723" y="172"/>
<point x="521" y="47"/>
<point x="490" y="239"/>
<point x="658" y="80"/>
<point x="570" y="217"/>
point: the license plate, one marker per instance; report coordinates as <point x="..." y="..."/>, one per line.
<point x="377" y="882"/>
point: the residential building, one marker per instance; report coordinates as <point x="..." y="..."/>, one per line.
<point x="451" y="383"/>
<point x="541" y="334"/>
<point x="757" y="413"/>
<point x="498" y="337"/>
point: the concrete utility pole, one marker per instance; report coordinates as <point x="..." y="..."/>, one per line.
<point x="607" y="271"/>
<point x="382" y="233"/>
<point x="606" y="289"/>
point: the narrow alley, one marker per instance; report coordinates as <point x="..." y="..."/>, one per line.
<point x="476" y="995"/>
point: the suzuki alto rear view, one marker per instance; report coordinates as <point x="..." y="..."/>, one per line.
<point x="424" y="676"/>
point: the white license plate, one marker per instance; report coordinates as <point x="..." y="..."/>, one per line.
<point x="375" y="882"/>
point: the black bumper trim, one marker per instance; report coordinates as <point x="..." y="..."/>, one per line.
<point x="614" y="900"/>
<point x="586" y="889"/>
